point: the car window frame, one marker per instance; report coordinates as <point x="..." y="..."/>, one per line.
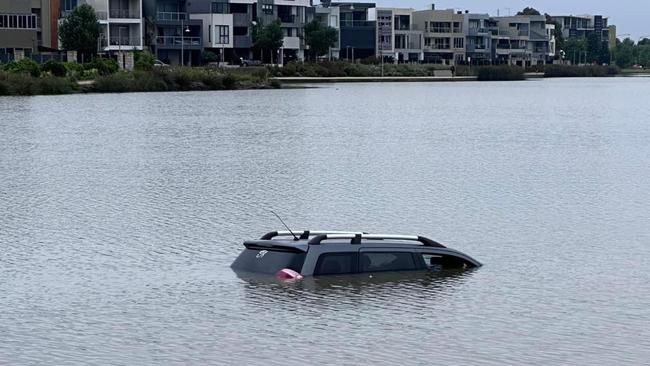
<point x="355" y="262"/>
<point x="416" y="261"/>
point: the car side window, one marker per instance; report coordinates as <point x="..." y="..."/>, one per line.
<point x="437" y="262"/>
<point x="386" y="261"/>
<point x="336" y="263"/>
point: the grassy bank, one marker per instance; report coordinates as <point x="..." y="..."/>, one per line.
<point x="180" y="79"/>
<point x="570" y="71"/>
<point x="346" y="69"/>
<point x="28" y="78"/>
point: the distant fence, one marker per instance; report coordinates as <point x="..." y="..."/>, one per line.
<point x="45" y="57"/>
<point x="38" y="57"/>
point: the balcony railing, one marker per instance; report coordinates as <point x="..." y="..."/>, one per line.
<point x="284" y="18"/>
<point x="475" y="31"/>
<point x="357" y="23"/>
<point x="124" y="41"/>
<point x="123" y="14"/>
<point x="177" y="41"/>
<point x="171" y="16"/>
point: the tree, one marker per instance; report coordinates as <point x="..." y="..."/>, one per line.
<point x="574" y="49"/>
<point x="529" y="11"/>
<point x="624" y="53"/>
<point x="80" y="30"/>
<point x="268" y="37"/>
<point x="319" y="38"/>
<point x="594" y="48"/>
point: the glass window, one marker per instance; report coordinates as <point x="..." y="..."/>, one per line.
<point x="336" y="263"/>
<point x="459" y="42"/>
<point x="437" y="262"/>
<point x="380" y="262"/>
<point x="267" y="8"/>
<point x="220" y="8"/>
<point x="222" y="34"/>
<point x="270" y="261"/>
<point x="440" y="27"/>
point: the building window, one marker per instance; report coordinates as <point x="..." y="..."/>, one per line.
<point x="15" y="21"/>
<point x="441" y="43"/>
<point x="334" y="21"/>
<point x="440" y="27"/>
<point x="458" y="27"/>
<point x="459" y="42"/>
<point x="222" y="34"/>
<point x="220" y="8"/>
<point x="267" y="8"/>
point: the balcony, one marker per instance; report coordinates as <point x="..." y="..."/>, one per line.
<point x="357" y="23"/>
<point x="169" y="16"/>
<point x="125" y="42"/>
<point x="123" y="14"/>
<point x="479" y="48"/>
<point x="178" y="42"/>
<point x="477" y="31"/>
<point x="287" y="18"/>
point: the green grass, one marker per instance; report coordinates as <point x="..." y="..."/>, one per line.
<point x="346" y="69"/>
<point x="25" y="84"/>
<point x="178" y="79"/>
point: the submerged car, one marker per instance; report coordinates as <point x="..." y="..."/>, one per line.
<point x="314" y="253"/>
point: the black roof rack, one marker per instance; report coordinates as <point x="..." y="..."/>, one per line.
<point x="356" y="238"/>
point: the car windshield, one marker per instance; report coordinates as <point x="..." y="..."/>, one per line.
<point x="269" y="260"/>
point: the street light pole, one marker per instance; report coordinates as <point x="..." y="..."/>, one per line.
<point x="119" y="46"/>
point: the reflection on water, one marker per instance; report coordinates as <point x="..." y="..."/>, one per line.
<point x="121" y="214"/>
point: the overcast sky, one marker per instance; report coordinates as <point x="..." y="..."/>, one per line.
<point x="629" y="16"/>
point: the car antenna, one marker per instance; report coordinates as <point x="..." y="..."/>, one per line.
<point x="285" y="225"/>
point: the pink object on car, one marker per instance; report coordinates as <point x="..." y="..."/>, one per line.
<point x="288" y="274"/>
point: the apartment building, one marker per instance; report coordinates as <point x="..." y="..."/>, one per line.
<point x="522" y="40"/>
<point x="121" y="24"/>
<point x="443" y="33"/>
<point x="173" y="37"/>
<point x="478" y="40"/>
<point x="227" y="26"/>
<point x="27" y="27"/>
<point x="358" y="29"/>
<point x="580" y="26"/>
<point x="396" y="40"/>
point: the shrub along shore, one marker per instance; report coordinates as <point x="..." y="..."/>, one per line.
<point x="26" y="77"/>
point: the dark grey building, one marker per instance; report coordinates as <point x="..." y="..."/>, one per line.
<point x="358" y="33"/>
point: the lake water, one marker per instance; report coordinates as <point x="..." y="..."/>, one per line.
<point x="120" y="216"/>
